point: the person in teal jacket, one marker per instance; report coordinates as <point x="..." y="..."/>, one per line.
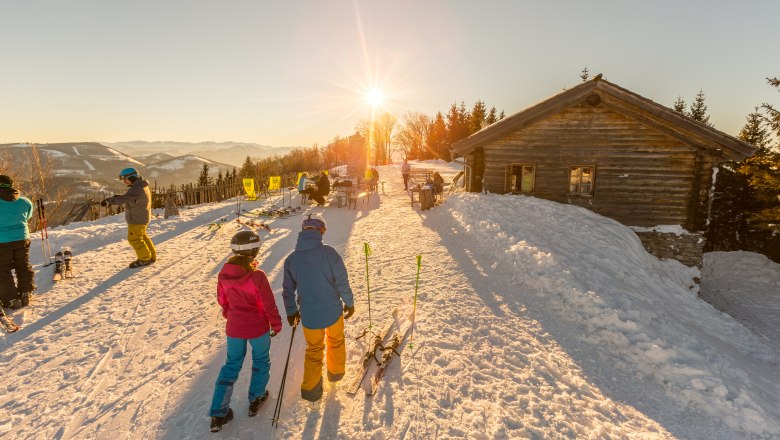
<point x="15" y="211"/>
<point x="323" y="301"/>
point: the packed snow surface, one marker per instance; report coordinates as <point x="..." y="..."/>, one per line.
<point x="534" y="320"/>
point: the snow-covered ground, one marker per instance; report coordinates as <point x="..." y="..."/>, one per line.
<point x="534" y="320"/>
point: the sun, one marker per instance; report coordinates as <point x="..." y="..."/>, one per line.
<point x="375" y="97"/>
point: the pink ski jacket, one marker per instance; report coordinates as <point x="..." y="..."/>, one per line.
<point x="247" y="302"/>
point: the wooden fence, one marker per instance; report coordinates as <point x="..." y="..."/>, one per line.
<point x="182" y="195"/>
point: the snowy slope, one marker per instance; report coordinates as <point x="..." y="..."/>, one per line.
<point x="535" y="320"/>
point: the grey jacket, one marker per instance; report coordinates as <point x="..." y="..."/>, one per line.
<point x="137" y="201"/>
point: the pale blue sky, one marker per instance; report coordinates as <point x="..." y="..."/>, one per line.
<point x="295" y="72"/>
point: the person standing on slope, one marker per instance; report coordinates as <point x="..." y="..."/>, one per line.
<point x="323" y="301"/>
<point x="406" y="170"/>
<point x="248" y="304"/>
<point x="15" y="211"/>
<point x="138" y="214"/>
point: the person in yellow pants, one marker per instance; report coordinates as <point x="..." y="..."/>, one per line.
<point x="141" y="243"/>
<point x="138" y="214"/>
<point x="323" y="301"/>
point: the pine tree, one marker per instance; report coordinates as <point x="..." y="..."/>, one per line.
<point x="679" y="106"/>
<point x="698" y="111"/>
<point x="248" y="168"/>
<point x="477" y="117"/>
<point x="220" y="179"/>
<point x="456" y="129"/>
<point x="204" y="178"/>
<point x="754" y="131"/>
<point x="584" y="75"/>
<point x="773" y="115"/>
<point x="492" y="117"/>
<point x="437" y="144"/>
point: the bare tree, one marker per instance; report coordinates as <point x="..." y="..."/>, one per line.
<point x="413" y="134"/>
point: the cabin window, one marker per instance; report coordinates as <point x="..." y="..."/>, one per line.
<point x="581" y="180"/>
<point x="520" y="178"/>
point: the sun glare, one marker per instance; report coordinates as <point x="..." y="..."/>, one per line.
<point x="375" y="97"/>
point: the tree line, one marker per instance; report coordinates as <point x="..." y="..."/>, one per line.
<point x="746" y="206"/>
<point x="416" y="136"/>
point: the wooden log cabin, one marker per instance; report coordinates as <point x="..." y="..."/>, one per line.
<point x="605" y="148"/>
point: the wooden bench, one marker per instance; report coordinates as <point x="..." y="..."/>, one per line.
<point x="420" y="175"/>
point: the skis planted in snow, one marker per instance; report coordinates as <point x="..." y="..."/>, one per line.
<point x="8" y="323"/>
<point x="63" y="266"/>
<point x="59" y="264"/>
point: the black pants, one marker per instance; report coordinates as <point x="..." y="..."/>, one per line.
<point x="15" y="256"/>
<point x="315" y="195"/>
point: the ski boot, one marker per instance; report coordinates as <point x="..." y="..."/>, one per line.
<point x="59" y="261"/>
<point x="254" y="406"/>
<point x="218" y="421"/>
<point x="67" y="255"/>
<point x="140" y="263"/>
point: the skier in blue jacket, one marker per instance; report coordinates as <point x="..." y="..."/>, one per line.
<point x="15" y="211"/>
<point x="323" y="301"/>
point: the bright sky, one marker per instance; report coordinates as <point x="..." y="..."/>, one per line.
<point x="300" y="72"/>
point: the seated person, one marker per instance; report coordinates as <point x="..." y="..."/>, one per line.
<point x="438" y="183"/>
<point x="323" y="189"/>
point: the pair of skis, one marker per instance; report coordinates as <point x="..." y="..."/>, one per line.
<point x="253" y="224"/>
<point x="63" y="268"/>
<point x="401" y="326"/>
<point x="217" y="224"/>
<point x="386" y="346"/>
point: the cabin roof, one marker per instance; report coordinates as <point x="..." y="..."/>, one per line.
<point x="620" y="100"/>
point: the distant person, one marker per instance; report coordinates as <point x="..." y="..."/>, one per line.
<point x="323" y="189"/>
<point x="438" y="183"/>
<point x="316" y="291"/>
<point x="248" y="304"/>
<point x="15" y="212"/>
<point x="372" y="174"/>
<point x="302" y="182"/>
<point x="406" y="170"/>
<point x="138" y="214"/>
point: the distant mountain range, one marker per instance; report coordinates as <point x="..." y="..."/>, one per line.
<point x="91" y="167"/>
<point x="232" y="153"/>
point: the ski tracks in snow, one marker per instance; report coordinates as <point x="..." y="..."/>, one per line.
<point x="95" y="379"/>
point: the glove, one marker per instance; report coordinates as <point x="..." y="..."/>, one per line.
<point x="348" y="311"/>
<point x="104" y="202"/>
<point x="272" y="333"/>
<point x="293" y="319"/>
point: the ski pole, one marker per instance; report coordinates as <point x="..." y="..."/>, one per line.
<point x="44" y="232"/>
<point x="414" y="306"/>
<point x="278" y="409"/>
<point x="367" y="251"/>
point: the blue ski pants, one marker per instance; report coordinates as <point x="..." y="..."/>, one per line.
<point x="261" y="367"/>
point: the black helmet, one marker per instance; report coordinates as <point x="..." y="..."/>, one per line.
<point x="245" y="243"/>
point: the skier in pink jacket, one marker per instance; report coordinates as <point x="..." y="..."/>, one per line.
<point x="248" y="305"/>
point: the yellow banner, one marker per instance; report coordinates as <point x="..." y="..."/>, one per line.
<point x="274" y="183"/>
<point x="298" y="180"/>
<point x="249" y="189"/>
